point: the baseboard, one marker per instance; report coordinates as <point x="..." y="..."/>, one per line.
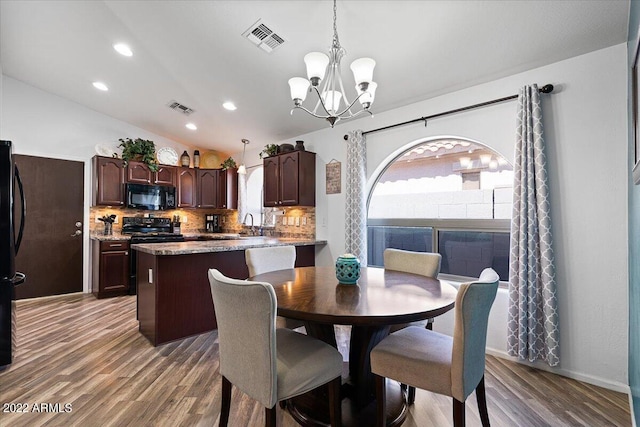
<point x="53" y="296"/>
<point x="600" y="382"/>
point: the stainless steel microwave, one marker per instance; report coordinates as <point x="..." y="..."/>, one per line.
<point x="150" y="197"/>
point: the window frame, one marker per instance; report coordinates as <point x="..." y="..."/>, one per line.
<point x="436" y="224"/>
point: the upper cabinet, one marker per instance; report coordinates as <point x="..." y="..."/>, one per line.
<point x="195" y="188"/>
<point x="139" y="173"/>
<point x="108" y="181"/>
<point x="217" y="188"/>
<point x="290" y="179"/>
<point x="186" y="188"/>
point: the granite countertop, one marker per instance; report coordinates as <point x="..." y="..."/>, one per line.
<point x="184" y="248"/>
<point x="202" y="236"/>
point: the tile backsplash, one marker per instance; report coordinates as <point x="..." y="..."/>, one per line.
<point x="289" y="222"/>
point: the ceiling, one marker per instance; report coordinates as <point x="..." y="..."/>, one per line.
<point x="193" y="52"/>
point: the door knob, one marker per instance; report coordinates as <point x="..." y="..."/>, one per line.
<point x="77" y="233"/>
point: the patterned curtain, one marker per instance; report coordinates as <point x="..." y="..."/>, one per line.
<point x="533" y="315"/>
<point x="242" y="197"/>
<point x="356" y="200"/>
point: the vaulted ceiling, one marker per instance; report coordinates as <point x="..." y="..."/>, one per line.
<point x="193" y="52"/>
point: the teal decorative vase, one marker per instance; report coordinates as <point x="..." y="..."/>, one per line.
<point x="347" y="269"/>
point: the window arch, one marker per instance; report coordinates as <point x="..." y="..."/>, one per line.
<point x="449" y="195"/>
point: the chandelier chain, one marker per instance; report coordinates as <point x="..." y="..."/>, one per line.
<point x="336" y="41"/>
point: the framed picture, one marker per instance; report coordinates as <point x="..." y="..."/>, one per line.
<point x="635" y="77"/>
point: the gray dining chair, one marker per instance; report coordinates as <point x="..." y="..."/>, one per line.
<point x="264" y="260"/>
<point x="453" y="366"/>
<point x="423" y="263"/>
<point x="268" y="364"/>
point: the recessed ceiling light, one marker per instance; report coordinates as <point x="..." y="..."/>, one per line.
<point x="229" y="106"/>
<point x="191" y="126"/>
<point x="123" y="49"/>
<point x="100" y="86"/>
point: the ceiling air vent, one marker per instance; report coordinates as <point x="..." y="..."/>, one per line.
<point x="175" y="105"/>
<point x="263" y="36"/>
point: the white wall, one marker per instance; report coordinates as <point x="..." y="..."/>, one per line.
<point x="585" y="130"/>
<point x="42" y="124"/>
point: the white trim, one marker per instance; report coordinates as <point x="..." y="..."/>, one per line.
<point x="633" y="417"/>
<point x="598" y="381"/>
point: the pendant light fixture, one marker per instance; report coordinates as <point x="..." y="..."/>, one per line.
<point x="242" y="170"/>
<point x="332" y="94"/>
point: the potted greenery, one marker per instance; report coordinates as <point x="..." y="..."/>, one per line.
<point x="269" y="150"/>
<point x="141" y="150"/>
<point x="229" y="164"/>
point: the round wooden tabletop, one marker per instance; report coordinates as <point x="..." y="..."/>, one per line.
<point x="381" y="297"/>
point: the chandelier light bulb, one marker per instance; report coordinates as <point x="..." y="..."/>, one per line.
<point x="367" y="97"/>
<point x="331" y="99"/>
<point x="316" y="66"/>
<point x="298" y="86"/>
<point x="363" y="70"/>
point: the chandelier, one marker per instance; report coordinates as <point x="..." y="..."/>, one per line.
<point x="332" y="94"/>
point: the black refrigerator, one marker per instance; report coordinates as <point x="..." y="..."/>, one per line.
<point x="12" y="219"/>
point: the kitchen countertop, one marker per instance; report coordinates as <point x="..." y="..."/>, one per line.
<point x="202" y="236"/>
<point x="240" y="244"/>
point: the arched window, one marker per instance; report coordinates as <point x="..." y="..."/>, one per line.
<point x="451" y="196"/>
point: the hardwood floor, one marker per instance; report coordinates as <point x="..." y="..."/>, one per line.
<point x="87" y="354"/>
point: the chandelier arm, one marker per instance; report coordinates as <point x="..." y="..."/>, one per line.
<point x="308" y="111"/>
<point x="349" y="108"/>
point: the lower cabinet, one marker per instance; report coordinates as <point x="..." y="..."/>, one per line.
<point x="110" y="268"/>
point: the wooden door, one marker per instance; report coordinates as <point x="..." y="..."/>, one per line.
<point x="270" y="171"/>
<point x="108" y="181"/>
<point x="51" y="250"/>
<point x="207" y="188"/>
<point x="289" y="179"/>
<point x="138" y="173"/>
<point x="186" y="188"/>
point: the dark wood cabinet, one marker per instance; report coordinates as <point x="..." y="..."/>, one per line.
<point x="110" y="271"/>
<point x="186" y="188"/>
<point x="207" y="186"/>
<point x="108" y="181"/>
<point x="166" y="175"/>
<point x="217" y="188"/>
<point x="290" y="179"/>
<point x="138" y="173"/>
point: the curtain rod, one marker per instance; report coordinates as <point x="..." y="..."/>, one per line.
<point x="548" y="88"/>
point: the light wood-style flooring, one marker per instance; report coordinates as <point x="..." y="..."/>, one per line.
<point x="87" y="354"/>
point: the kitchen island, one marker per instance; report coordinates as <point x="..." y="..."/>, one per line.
<point x="174" y="297"/>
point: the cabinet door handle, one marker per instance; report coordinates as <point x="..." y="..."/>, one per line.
<point x="126" y="253"/>
<point x="113" y="245"/>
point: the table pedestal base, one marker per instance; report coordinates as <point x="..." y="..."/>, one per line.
<point x="311" y="410"/>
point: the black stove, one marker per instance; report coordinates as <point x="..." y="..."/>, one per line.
<point x="149" y="230"/>
<point x="146" y="230"/>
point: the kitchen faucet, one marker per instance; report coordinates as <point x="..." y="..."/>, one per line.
<point x="245" y="222"/>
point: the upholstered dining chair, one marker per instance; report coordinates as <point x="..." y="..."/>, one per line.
<point x="423" y="263"/>
<point x="264" y="260"/>
<point x="268" y="364"/>
<point x="453" y="366"/>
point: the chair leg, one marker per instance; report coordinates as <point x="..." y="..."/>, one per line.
<point x="226" y="402"/>
<point x="381" y="398"/>
<point x="429" y="324"/>
<point x="270" y="417"/>
<point x="335" y="402"/>
<point x="481" y="396"/>
<point x="411" y="395"/>
<point x="458" y="413"/>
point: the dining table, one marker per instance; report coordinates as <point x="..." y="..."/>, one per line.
<point x="379" y="299"/>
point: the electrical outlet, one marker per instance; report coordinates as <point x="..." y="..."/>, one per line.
<point x="297" y="221"/>
<point x="224" y="219"/>
<point x="290" y="220"/>
<point x="184" y="219"/>
<point x="304" y="221"/>
<point x="284" y="220"/>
